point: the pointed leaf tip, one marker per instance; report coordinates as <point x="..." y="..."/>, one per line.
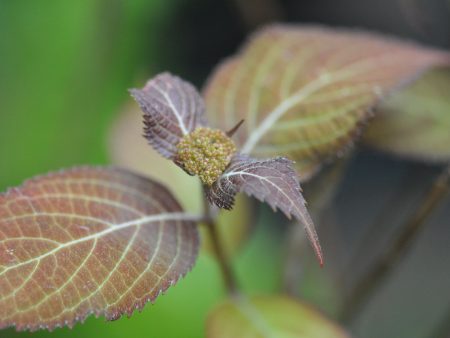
<point x="272" y="181"/>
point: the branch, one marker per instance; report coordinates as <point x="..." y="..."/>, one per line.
<point x="412" y="228"/>
<point x="372" y="237"/>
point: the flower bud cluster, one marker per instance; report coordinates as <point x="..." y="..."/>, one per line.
<point x="206" y="153"/>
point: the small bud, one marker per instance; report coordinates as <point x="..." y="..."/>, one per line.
<point x="206" y="153"/>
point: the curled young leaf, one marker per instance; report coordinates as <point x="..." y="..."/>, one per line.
<point x="273" y="181"/>
<point x="172" y="109"/>
<point x="88" y="240"/>
<point x="305" y="92"/>
<point x="269" y="316"/>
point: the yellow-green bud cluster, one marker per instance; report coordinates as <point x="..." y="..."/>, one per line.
<point x="206" y="153"/>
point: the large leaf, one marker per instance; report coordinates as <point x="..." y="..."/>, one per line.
<point x="172" y="109"/>
<point x="130" y="150"/>
<point x="305" y="91"/>
<point x="88" y="240"/>
<point x="415" y="123"/>
<point x="269" y="316"/>
<point x="273" y="181"/>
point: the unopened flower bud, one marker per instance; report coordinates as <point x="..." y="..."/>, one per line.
<point x="206" y="153"/>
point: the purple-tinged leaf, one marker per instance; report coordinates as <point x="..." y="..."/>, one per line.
<point x="172" y="109"/>
<point x="305" y="91"/>
<point x="273" y="181"/>
<point x="86" y="241"/>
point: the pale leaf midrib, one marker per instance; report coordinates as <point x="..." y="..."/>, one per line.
<point x="137" y="222"/>
<point x="326" y="78"/>
<point x="174" y="109"/>
<point x="253" y="316"/>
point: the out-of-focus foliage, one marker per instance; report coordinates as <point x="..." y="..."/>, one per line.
<point x="269" y="316"/>
<point x="415" y="123"/>
<point x="306" y="91"/>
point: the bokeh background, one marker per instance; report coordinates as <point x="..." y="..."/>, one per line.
<point x="65" y="67"/>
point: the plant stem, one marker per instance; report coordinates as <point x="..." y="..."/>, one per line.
<point x="224" y="263"/>
<point x="372" y="279"/>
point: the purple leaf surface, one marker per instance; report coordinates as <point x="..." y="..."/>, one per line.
<point x="172" y="109"/>
<point x="273" y="181"/>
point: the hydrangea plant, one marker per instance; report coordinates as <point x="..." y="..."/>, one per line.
<point x="105" y="241"/>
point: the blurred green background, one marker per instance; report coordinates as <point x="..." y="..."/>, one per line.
<point x="65" y="67"/>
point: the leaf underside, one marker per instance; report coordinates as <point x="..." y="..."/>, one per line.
<point x="269" y="316"/>
<point x="172" y="109"/>
<point x="415" y="123"/>
<point x="273" y="181"/>
<point x="305" y="92"/>
<point x="86" y="241"/>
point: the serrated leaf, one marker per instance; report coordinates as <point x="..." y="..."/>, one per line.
<point x="88" y="240"/>
<point x="305" y="91"/>
<point x="269" y="316"/>
<point x="415" y="123"/>
<point x="273" y="181"/>
<point x="172" y="108"/>
<point x="234" y="227"/>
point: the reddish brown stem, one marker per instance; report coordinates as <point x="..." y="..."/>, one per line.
<point x="222" y="259"/>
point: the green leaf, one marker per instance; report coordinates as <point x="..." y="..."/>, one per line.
<point x="269" y="316"/>
<point x="89" y="240"/>
<point x="304" y="92"/>
<point x="415" y="123"/>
